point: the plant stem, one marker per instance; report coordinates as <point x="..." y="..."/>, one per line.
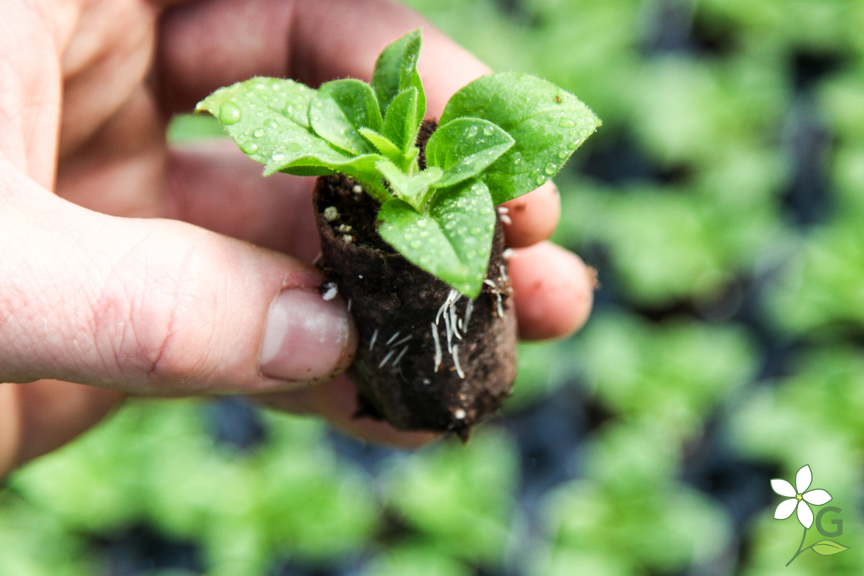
<point x="799" y="547"/>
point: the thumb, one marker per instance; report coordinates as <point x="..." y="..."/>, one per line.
<point x="157" y="306"/>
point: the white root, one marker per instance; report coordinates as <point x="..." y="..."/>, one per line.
<point x="393" y="337"/>
<point x="402" y="341"/>
<point x="399" y="357"/>
<point x="449" y="333"/>
<point x="453" y="322"/>
<point x="386" y="358"/>
<point x="456" y="362"/>
<point x="374" y="337"/>
<point x="469" y="308"/>
<point x="438" y="354"/>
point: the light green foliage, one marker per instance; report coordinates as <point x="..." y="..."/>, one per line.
<point x="630" y="512"/>
<point x="154" y="461"/>
<point x="670" y="374"/>
<point x="416" y="559"/>
<point x="459" y="498"/>
<point x="500" y="137"/>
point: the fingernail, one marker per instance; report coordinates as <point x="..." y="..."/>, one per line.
<point x="306" y="337"/>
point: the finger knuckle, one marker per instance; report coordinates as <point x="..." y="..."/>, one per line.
<point x="155" y="321"/>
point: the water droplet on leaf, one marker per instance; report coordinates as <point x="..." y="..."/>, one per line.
<point x="258" y="133"/>
<point x="550" y="169"/>
<point x="229" y="113"/>
<point x="566" y="123"/>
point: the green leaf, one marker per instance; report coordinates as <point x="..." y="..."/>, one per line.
<point x="340" y="108"/>
<point x="396" y="70"/>
<point x="828" y="548"/>
<point x="261" y="114"/>
<point x="300" y="160"/>
<point x="452" y="241"/>
<point x="410" y="188"/>
<point x="464" y="147"/>
<point x="546" y="122"/>
<point x="402" y="120"/>
<point x="382" y="143"/>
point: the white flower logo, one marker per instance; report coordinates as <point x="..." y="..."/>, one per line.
<point x="798" y="498"/>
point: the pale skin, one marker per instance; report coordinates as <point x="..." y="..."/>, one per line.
<point x="133" y="268"/>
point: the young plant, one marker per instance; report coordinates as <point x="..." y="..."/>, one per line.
<point x="498" y="138"/>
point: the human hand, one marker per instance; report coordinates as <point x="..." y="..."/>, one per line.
<point x="133" y="267"/>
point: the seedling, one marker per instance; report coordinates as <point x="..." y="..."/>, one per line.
<point x="498" y="138"/>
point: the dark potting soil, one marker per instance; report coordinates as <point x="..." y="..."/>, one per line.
<point x="400" y="309"/>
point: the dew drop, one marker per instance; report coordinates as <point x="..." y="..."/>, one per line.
<point x="229" y="113"/>
<point x="276" y="157"/>
<point x="562" y="154"/>
<point x="416" y="244"/>
<point x="421" y="223"/>
<point x="574" y="144"/>
<point x="258" y="133"/>
<point x="488" y="130"/>
<point x="540" y="180"/>
<point x="273" y="124"/>
<point x="550" y="168"/>
<point x="472" y="132"/>
<point x="249" y="147"/>
<point x="566" y="123"/>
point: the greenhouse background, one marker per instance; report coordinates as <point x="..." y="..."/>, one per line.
<point x="722" y="205"/>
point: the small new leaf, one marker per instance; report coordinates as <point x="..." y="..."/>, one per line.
<point x="546" y="122"/>
<point x="382" y="144"/>
<point x="402" y="121"/>
<point x="452" y="241"/>
<point x="410" y="188"/>
<point x="464" y="147"/>
<point x="828" y="548"/>
<point x="342" y="107"/>
<point x="396" y="70"/>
